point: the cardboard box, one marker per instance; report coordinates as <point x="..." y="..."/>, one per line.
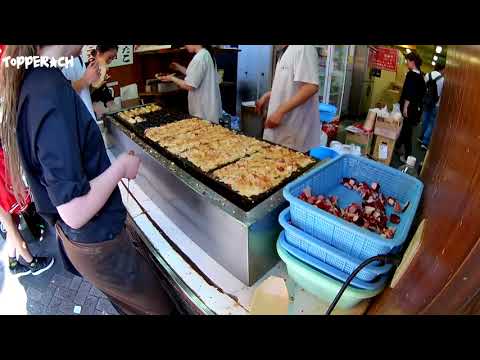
<point x="387" y="128"/>
<point x="364" y="140"/>
<point x="383" y="149"/>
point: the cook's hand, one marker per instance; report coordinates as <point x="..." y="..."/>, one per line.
<point x="130" y="165"/>
<point x="405" y="113"/>
<point x="92" y="73"/>
<point x="166" y="78"/>
<point x="260" y="104"/>
<point x="274" y="120"/>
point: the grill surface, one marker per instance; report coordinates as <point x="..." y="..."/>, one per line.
<point x="163" y="117"/>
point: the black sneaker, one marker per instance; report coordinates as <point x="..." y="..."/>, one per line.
<point x="41" y="264"/>
<point x="18" y="270"/>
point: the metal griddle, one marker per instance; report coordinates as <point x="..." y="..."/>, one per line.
<point x="163" y="117"/>
<point x="207" y="211"/>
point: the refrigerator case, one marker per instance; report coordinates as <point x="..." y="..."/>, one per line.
<point x="336" y="76"/>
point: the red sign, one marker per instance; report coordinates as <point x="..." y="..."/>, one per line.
<point x="383" y="58"/>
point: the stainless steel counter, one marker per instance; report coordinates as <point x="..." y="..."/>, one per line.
<point x="242" y="242"/>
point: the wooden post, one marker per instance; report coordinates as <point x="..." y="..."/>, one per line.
<point x="444" y="275"/>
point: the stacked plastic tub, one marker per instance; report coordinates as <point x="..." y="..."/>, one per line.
<point x="322" y="250"/>
<point x="327" y="112"/>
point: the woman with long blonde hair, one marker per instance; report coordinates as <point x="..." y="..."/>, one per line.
<point x="10" y="209"/>
<point x="48" y="133"/>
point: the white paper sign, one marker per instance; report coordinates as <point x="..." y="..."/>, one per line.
<point x="383" y="151"/>
<point x="124" y="55"/>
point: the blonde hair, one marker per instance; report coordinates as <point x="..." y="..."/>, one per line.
<point x="11" y="80"/>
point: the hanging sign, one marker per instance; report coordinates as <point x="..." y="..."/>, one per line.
<point x="124" y="55"/>
<point x="383" y="58"/>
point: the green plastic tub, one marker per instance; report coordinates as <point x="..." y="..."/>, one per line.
<point x="322" y="285"/>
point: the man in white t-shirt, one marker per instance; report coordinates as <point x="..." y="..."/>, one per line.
<point x="293" y="118"/>
<point x="201" y="82"/>
<point x="430" y="112"/>
<point x="81" y="79"/>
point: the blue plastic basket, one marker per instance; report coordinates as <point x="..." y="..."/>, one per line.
<point x="326" y="253"/>
<point x="317" y="264"/>
<point x="323" y="152"/>
<point x="352" y="239"/>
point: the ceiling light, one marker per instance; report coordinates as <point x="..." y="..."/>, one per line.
<point x="435" y="58"/>
<point x="438" y="49"/>
<point x="433" y="63"/>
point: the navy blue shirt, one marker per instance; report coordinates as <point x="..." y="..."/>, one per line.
<point x="62" y="149"/>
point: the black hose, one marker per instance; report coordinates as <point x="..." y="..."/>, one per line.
<point x="386" y="259"/>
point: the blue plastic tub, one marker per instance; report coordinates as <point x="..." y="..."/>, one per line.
<point x="326" y="253"/>
<point x="322" y="153"/>
<point x="324" y="287"/>
<point x="330" y="270"/>
<point x="350" y="238"/>
<point x="327" y="112"/>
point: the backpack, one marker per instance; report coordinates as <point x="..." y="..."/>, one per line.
<point x="431" y="95"/>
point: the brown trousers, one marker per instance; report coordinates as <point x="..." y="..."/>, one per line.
<point x="121" y="272"/>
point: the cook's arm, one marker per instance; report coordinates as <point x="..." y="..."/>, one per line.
<point x="305" y="92"/>
<point x="181" y="83"/>
<point x="262" y="102"/>
<point x="182" y="69"/>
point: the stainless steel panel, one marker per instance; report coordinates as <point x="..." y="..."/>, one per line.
<point x="254" y="74"/>
<point x="242" y="242"/>
<point x="360" y="79"/>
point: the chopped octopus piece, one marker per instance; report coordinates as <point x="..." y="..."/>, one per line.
<point x="397" y="207"/>
<point x="395" y="219"/>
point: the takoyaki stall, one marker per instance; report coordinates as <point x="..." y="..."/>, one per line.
<point x="206" y="203"/>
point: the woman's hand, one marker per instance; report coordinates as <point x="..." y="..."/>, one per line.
<point x="405" y="109"/>
<point x="130" y="164"/>
<point x="274" y="120"/>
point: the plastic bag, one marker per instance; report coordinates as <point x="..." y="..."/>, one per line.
<point x="396" y="108"/>
<point x="323" y="139"/>
<point x="384" y="113"/>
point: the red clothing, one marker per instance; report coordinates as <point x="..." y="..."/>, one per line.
<point x="7" y="199"/>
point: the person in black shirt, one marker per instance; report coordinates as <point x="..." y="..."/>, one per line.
<point x="46" y="130"/>
<point x="411" y="102"/>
